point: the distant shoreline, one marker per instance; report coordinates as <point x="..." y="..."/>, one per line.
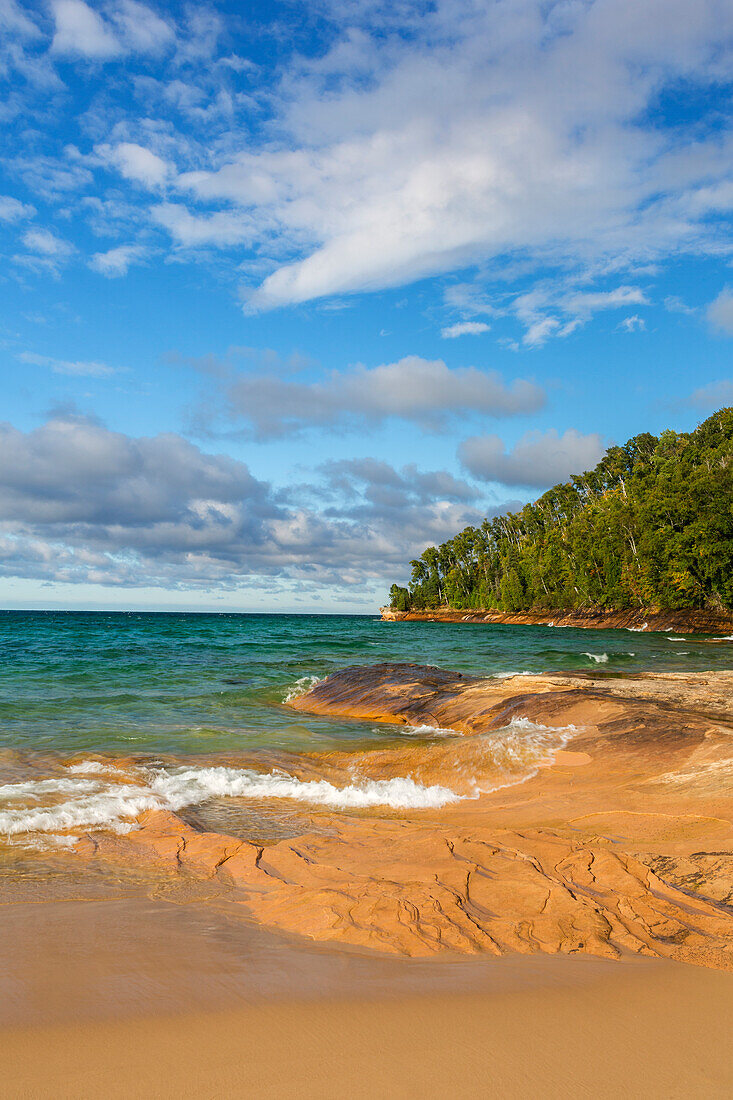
<point x="684" y="621"/>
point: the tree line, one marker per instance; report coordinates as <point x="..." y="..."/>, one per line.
<point x="650" y="526"/>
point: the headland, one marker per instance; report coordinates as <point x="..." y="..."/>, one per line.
<point x="685" y="621"/>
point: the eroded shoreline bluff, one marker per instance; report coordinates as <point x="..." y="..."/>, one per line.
<point x="688" y="621"/>
<point x="620" y="842"/>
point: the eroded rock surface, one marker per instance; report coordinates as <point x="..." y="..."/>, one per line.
<point x="619" y="841"/>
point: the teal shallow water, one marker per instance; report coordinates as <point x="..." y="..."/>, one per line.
<point x="192" y="684"/>
<point x="105" y="716"/>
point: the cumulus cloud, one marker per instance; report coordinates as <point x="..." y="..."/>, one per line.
<point x="135" y="163"/>
<point x="81" y="503"/>
<point x="117" y="261"/>
<point x="425" y="392"/>
<point x="464" y="328"/>
<point x="381" y="484"/>
<point x="81" y="30"/>
<point x="720" y="312"/>
<point x="127" y="27"/>
<point x="538" y="459"/>
<point x="223" y="228"/>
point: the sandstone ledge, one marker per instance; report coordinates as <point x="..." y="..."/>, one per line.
<point x="686" y="622"/>
<point x="621" y="843"/>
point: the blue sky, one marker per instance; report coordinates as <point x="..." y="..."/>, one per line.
<point x="290" y="291"/>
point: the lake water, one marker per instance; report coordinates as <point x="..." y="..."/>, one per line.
<point x="103" y="715"/>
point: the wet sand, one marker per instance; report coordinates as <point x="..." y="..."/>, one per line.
<point x="133" y="997"/>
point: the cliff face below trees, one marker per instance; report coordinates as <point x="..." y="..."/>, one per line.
<point x="685" y="622"/>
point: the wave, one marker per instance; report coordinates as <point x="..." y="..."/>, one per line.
<point x="113" y="803"/>
<point x="428" y="731"/>
<point x="91" y="795"/>
<point x="599" y="658"/>
<point x="524" y="744"/>
<point x="301" y="687"/>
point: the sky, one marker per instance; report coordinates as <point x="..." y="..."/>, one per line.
<point x="290" y="291"/>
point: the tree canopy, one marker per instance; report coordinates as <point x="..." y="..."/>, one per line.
<point x="650" y="526"/>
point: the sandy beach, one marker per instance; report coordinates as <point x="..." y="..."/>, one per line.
<point x="194" y="1004"/>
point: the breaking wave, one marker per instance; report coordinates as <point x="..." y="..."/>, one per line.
<point x="300" y="687"/>
<point x="113" y="802"/>
<point x="91" y="795"/>
<point x="428" y="731"/>
<point x="599" y="658"/>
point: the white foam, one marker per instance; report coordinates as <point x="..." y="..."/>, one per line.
<point x="676" y="639"/>
<point x="637" y="629"/>
<point x="115" y="804"/>
<point x="35" y="788"/>
<point x="92" y="795"/>
<point x="188" y="786"/>
<point x="301" y="687"/>
<point x="92" y="767"/>
<point x="99" y="805"/>
<point x="599" y="658"/>
<point x="428" y="731"/>
<point x="523" y="744"/>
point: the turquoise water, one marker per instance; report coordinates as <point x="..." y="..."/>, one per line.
<point x="189" y="683"/>
<point x="106" y="716"/>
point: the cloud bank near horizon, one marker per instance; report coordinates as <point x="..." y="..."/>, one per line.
<point x="86" y="505"/>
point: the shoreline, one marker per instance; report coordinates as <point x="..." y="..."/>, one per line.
<point x="536" y="936"/>
<point x="547" y="814"/>
<point x="685" y="622"/>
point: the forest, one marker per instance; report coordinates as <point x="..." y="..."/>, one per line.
<point x="650" y="527"/>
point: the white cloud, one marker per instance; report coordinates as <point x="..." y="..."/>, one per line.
<point x="46" y="243"/>
<point x="540" y="330"/>
<point x="224" y="228"/>
<point x="464" y="328"/>
<point x="425" y="392"/>
<point x="634" y="323"/>
<point x="720" y="311"/>
<point x="136" y="163"/>
<point x="674" y="304"/>
<point x="14" y="20"/>
<point x="538" y="459"/>
<point x="81" y="31"/>
<point x="585" y="303"/>
<point x="541" y="144"/>
<point x="140" y="29"/>
<point x="11" y="210"/>
<point x="129" y="27"/>
<point x="117" y="261"/>
<point x="78" y="368"/>
<point x="538" y="308"/>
